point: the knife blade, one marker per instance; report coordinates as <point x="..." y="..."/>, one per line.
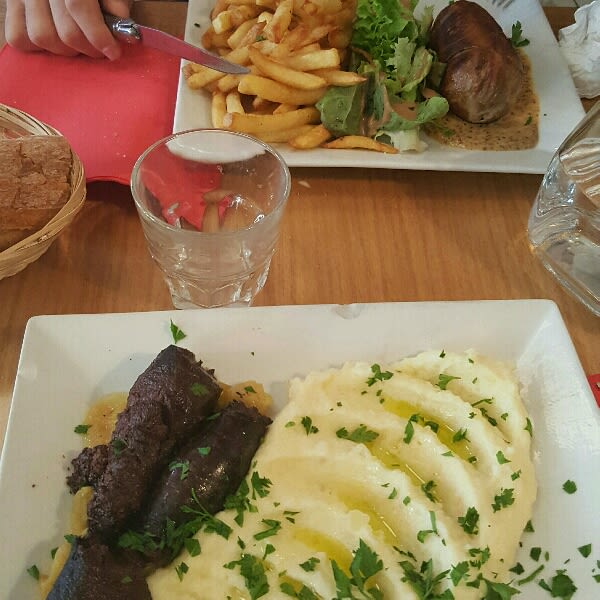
<point x="127" y="30"/>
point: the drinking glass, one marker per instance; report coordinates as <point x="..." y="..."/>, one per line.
<point x="564" y="222"/>
<point x="210" y="203"/>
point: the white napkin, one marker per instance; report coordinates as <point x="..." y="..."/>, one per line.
<point x="580" y="45"/>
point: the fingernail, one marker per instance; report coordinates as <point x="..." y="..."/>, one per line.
<point x="112" y="52"/>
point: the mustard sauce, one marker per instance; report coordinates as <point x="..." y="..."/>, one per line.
<point x="517" y="130"/>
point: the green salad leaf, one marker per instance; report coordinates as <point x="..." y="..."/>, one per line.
<point x="389" y="49"/>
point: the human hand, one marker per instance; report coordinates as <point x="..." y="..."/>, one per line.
<point x="66" y="27"/>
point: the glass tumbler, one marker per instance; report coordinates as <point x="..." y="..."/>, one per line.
<point x="210" y="203"/>
<point x="564" y="222"/>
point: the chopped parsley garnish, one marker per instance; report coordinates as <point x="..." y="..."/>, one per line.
<point x="470" y="522"/>
<point x="260" y="485"/>
<point x="516" y="38"/>
<point x="127" y="579"/>
<point x="409" y="429"/>
<point x="461" y="434"/>
<point x="423" y="533"/>
<point x="535" y="553"/>
<point x="569" y="486"/>
<point x="423" y="581"/>
<point x="181" y="569"/>
<point x="503" y="499"/>
<point x="528" y="427"/>
<point x="253" y="572"/>
<point x="198" y="389"/>
<point x="529" y="527"/>
<point x="502" y="460"/>
<point x="250" y="389"/>
<point x="560" y="586"/>
<point x="484" y="401"/>
<point x="308" y="426"/>
<point x="459" y="572"/>
<point x="585" y="551"/>
<point x="365" y="564"/>
<point x="273" y="526"/>
<point x="177" y="334"/>
<point x="269" y="549"/>
<point x="240" y="502"/>
<point x="517" y="569"/>
<point x="378" y="375"/>
<point x="70" y="538"/>
<point x="444" y="380"/>
<point x="516" y="475"/>
<point x="428" y="490"/>
<point x="82" y="429"/>
<point x="34" y="571"/>
<point x="406" y="500"/>
<point x="118" y="445"/>
<point x="204" y="450"/>
<point x="53" y="553"/>
<point x="479" y="556"/>
<point x="531" y="576"/>
<point x="303" y="593"/>
<point x="183" y="465"/>
<point x="442" y="354"/>
<point x="310" y="564"/>
<point x="393" y="494"/>
<point x="192" y="545"/>
<point x="360" y="435"/>
<point x="175" y="537"/>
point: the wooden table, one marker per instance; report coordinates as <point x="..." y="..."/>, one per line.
<point x="349" y="235"/>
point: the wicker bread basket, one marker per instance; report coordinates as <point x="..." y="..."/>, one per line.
<point x="17" y="257"/>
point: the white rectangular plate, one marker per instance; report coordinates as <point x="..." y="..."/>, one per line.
<point x="560" y="106"/>
<point x="69" y="361"/>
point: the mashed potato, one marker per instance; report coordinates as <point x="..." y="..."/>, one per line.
<point x="376" y="479"/>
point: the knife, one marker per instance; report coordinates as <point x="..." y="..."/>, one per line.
<point x="127" y="30"/>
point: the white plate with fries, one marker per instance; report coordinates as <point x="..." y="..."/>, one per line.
<point x="560" y="106"/>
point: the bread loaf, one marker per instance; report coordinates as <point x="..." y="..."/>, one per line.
<point x="35" y="183"/>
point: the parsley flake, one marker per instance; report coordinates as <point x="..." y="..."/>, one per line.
<point x="34" y="571"/>
<point x="502" y="460"/>
<point x="308" y="426"/>
<point x="360" y="435"/>
<point x="569" y="486"/>
<point x="470" y="522"/>
<point x="81" y="429"/>
<point x="503" y="499"/>
<point x="253" y="572"/>
<point x="177" y="334"/>
<point x="444" y="380"/>
<point x="378" y="375"/>
<point x="516" y="38"/>
<point x="585" y="551"/>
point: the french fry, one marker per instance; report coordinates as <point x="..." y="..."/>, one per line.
<point x="228" y="82"/>
<point x="311" y="61"/>
<point x="339" y="78"/>
<point x="360" y="141"/>
<point x="255" y="85"/>
<point x="283" y="108"/>
<point x="235" y="39"/>
<point x="233" y="102"/>
<point x="283" y="136"/>
<point x="312" y="138"/>
<point x="279" y="24"/>
<point x="257" y="124"/>
<point x="203" y="75"/>
<point x="279" y="72"/>
<point x="218" y="109"/>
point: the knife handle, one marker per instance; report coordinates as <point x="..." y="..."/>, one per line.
<point x="124" y="30"/>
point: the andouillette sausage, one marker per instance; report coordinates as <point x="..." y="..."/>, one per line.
<point x="484" y="73"/>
